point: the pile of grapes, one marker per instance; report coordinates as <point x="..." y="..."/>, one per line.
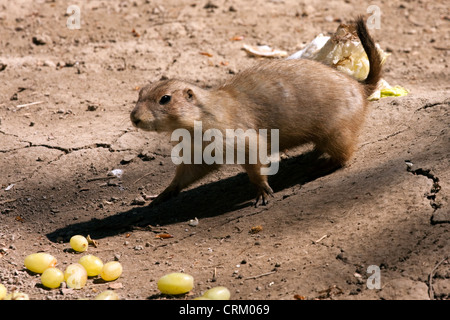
<point x="76" y="275"/>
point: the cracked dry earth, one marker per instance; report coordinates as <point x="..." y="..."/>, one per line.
<point x="388" y="208"/>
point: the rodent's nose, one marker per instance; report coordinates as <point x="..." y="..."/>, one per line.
<point x="134" y="119"/>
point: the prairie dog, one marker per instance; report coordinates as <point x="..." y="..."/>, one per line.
<point x="304" y="99"/>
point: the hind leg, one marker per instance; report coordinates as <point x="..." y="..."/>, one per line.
<point x="340" y="147"/>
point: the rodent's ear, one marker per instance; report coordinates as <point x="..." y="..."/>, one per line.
<point x="189" y="94"/>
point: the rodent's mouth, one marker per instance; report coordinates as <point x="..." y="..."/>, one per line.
<point x="142" y="121"/>
<point x="152" y="128"/>
<point x="146" y="126"/>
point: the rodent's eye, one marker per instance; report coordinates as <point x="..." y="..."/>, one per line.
<point x="165" y="99"/>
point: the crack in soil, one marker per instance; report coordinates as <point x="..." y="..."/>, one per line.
<point x="64" y="150"/>
<point x="70" y="150"/>
<point x="383" y="138"/>
<point x="435" y="188"/>
<point x="433" y="104"/>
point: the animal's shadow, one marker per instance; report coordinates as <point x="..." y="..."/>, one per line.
<point x="207" y="200"/>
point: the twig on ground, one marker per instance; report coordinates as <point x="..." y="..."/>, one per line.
<point x="7" y="201"/>
<point x="260" y="275"/>
<point x="145" y="175"/>
<point x="321" y="238"/>
<point x="29" y="104"/>
<point x="430" y="278"/>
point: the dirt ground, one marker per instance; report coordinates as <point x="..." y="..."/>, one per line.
<point x="320" y="233"/>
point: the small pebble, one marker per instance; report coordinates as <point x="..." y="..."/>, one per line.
<point x="138" y="201"/>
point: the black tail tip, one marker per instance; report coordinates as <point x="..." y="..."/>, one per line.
<point x="372" y="53"/>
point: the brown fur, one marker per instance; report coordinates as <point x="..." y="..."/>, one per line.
<point x="306" y="100"/>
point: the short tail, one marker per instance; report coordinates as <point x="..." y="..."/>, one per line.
<point x="370" y="83"/>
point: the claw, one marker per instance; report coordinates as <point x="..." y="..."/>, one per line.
<point x="263" y="194"/>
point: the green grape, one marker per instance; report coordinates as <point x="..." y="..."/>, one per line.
<point x="217" y="293"/>
<point x="92" y="264"/>
<point x="75" y="276"/>
<point x="176" y="283"/>
<point x="2" y="291"/>
<point x="111" y="271"/>
<point x="107" y="295"/>
<point x="17" y="296"/>
<point x="79" y="243"/>
<point x="38" y="262"/>
<point x="52" y="277"/>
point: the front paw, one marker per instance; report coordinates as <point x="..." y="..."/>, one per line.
<point x="263" y="193"/>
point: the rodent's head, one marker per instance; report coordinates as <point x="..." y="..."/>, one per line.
<point x="166" y="105"/>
